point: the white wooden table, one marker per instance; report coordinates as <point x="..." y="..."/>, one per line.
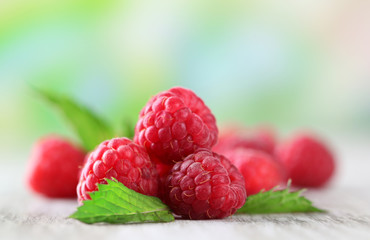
<point x="27" y="216"/>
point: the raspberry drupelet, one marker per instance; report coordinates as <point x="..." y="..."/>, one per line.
<point x="123" y="160"/>
<point x="205" y="186"/>
<point x="175" y="123"/>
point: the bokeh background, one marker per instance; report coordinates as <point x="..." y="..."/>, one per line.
<point x="290" y="64"/>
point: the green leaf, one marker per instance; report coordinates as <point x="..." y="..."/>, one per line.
<point x="115" y="203"/>
<point x="128" y="128"/>
<point x="90" y="129"/>
<point x="282" y="201"/>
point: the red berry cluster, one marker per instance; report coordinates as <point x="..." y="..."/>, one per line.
<point x="265" y="164"/>
<point x="178" y="130"/>
<point x="174" y="156"/>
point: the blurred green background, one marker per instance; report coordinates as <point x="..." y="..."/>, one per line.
<point x="291" y="64"/>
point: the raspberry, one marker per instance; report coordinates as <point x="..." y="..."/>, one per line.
<point x="175" y="123"/>
<point x="163" y="171"/>
<point x="262" y="139"/>
<point x="308" y="161"/>
<point x="54" y="167"/>
<point x="260" y="170"/>
<point x="205" y="186"/>
<point x="123" y="160"/>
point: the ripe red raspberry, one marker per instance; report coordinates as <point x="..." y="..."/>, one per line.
<point x="205" y="186"/>
<point x="175" y="123"/>
<point x="123" y="160"/>
<point x="260" y="170"/>
<point x="308" y="161"/>
<point x="163" y="171"/>
<point x="54" y="167"/>
<point x="262" y="139"/>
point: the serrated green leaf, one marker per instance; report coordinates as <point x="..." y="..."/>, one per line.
<point x="282" y="201"/>
<point x="90" y="129"/>
<point x="115" y="203"/>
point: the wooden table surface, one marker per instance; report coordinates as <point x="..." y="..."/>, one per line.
<point x="24" y="215"/>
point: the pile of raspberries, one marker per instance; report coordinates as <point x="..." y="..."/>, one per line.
<point x="178" y="156"/>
